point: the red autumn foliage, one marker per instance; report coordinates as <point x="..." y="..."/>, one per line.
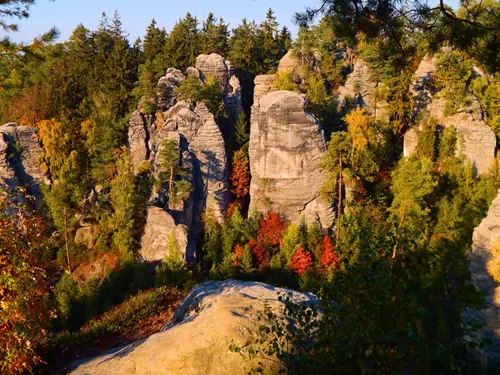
<point x="238" y="255"/>
<point x="272" y="229"/>
<point x="240" y="175"/>
<point x="259" y="253"/>
<point x="301" y="260"/>
<point x="269" y="239"/>
<point x="328" y="254"/>
<point x="233" y="206"/>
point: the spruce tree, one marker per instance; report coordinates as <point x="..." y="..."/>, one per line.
<point x="154" y="41"/>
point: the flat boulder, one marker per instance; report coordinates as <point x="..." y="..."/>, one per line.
<point x="213" y="316"/>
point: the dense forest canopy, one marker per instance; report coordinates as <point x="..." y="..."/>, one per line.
<point x="390" y="271"/>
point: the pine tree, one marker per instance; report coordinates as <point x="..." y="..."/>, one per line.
<point x="183" y="43"/>
<point x="214" y="36"/>
<point x="242" y="133"/>
<point x="122" y="198"/>
<point x="171" y="172"/>
<point x="268" y="44"/>
<point x="242" y="47"/>
<point x="285" y="41"/>
<point x="154" y="41"/>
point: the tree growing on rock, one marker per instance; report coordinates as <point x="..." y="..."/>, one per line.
<point x="172" y="173"/>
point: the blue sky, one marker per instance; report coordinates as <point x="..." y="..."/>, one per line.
<point x="136" y="15"/>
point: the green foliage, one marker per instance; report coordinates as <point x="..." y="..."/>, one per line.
<point x="172" y="271"/>
<point x="452" y="76"/>
<point x="122" y="198"/>
<point x="172" y="172"/>
<point x="120" y="320"/>
<point x="214" y="36"/>
<point x="242" y="134"/>
<point x="487" y="90"/>
<point x="208" y="92"/>
<point x="183" y="43"/>
<point x="284" y="81"/>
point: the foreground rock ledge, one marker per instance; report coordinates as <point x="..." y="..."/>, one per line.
<point x="196" y="341"/>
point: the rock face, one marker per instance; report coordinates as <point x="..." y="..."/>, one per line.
<point x="365" y="91"/>
<point x="214" y="65"/>
<point x="286" y="147"/>
<point x="211" y="318"/>
<point x="263" y="86"/>
<point x="476" y="140"/>
<point x="138" y="138"/>
<point x="166" y="87"/>
<point x="291" y="64"/>
<point x="484" y="238"/>
<point x="210" y="159"/>
<point x="19" y="154"/>
<point x="159" y="226"/>
<point x="87" y="235"/>
<point x="202" y="151"/>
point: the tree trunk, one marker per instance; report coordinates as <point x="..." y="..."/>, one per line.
<point x="170" y="188"/>
<point x="394" y="249"/>
<point x="66" y="238"/>
<point x="339" y="204"/>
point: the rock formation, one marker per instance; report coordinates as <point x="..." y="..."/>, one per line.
<point x="190" y="344"/>
<point x="166" y="86"/>
<point x="214" y="65"/>
<point x="202" y="149"/>
<point x="19" y="160"/>
<point x="485" y="236"/>
<point x="263" y="85"/>
<point x="286" y="147"/>
<point x="365" y="91"/>
<point x="476" y="140"/>
<point x="159" y="226"/>
<point x="211" y="161"/>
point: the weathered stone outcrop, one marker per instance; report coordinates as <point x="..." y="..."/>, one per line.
<point x="485" y="236"/>
<point x="166" y="86"/>
<point x="87" y="235"/>
<point x="159" y="226"/>
<point x="290" y="63"/>
<point x="286" y="147"/>
<point x="263" y="85"/>
<point x="216" y="66"/>
<point x="138" y="138"/>
<point x="476" y="140"/>
<point x="210" y="159"/>
<point x="365" y="91"/>
<point x="196" y="341"/>
<point x="19" y="160"/>
<point x="213" y="65"/>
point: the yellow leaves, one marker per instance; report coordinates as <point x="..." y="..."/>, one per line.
<point x="493" y="265"/>
<point x="360" y="129"/>
<point x="54" y="138"/>
<point x="159" y="119"/>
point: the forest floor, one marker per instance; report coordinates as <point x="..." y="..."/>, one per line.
<point x="133" y="320"/>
